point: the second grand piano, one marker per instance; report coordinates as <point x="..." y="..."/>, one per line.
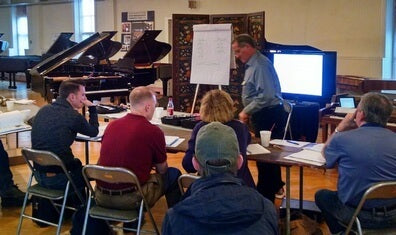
<point x="93" y="66"/>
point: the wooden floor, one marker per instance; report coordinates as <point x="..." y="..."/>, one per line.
<point x="314" y="179"/>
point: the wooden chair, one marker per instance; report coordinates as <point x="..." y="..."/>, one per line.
<point x="114" y="175"/>
<point x="45" y="158"/>
<point x="185" y="181"/>
<point x="382" y="190"/>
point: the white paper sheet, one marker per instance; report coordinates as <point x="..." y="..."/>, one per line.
<point x="308" y="156"/>
<point x="13" y="121"/>
<point x="115" y="115"/>
<point x="24" y="101"/>
<point x="102" y="129"/>
<point x="290" y="143"/>
<point x="169" y="140"/>
<point x="173" y="141"/>
<point x="256" y="149"/>
<point x="314" y="147"/>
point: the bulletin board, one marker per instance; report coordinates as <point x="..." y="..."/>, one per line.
<point x="133" y="25"/>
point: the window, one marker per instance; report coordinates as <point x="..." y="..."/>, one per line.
<point x="84" y="19"/>
<point x="20" y="31"/>
<point x="389" y="61"/>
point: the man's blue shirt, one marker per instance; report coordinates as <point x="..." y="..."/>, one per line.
<point x="365" y="155"/>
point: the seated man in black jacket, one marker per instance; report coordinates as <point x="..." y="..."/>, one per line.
<point x="54" y="129"/>
<point x="219" y="202"/>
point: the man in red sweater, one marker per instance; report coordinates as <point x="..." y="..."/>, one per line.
<point x="136" y="144"/>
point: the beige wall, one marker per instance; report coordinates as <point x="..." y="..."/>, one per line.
<point x="353" y="28"/>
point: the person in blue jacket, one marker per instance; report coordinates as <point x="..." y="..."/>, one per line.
<point x="219" y="202"/>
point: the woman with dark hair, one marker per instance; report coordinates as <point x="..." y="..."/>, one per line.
<point x="217" y="106"/>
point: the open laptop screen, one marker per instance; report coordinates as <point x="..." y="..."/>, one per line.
<point x="347" y="102"/>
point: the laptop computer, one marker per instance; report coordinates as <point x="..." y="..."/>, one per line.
<point x="347" y="105"/>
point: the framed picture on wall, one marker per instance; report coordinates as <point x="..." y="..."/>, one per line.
<point x="126" y="39"/>
<point x="124" y="48"/>
<point x="126" y="27"/>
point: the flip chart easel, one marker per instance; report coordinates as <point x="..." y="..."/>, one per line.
<point x="211" y="55"/>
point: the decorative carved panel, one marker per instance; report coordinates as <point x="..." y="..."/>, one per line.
<point x="183" y="91"/>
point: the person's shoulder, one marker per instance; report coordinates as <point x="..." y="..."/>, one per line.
<point x="198" y="126"/>
<point x="237" y="125"/>
<point x="260" y="58"/>
<point x="154" y="129"/>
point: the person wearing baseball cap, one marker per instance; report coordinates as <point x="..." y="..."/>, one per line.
<point x="219" y="202"/>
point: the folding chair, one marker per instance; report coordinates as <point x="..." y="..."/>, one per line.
<point x="114" y="175"/>
<point x="45" y="158"/>
<point x="381" y="190"/>
<point x="185" y="181"/>
<point x="288" y="107"/>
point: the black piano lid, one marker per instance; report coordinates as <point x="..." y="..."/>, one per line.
<point x="105" y="49"/>
<point x="63" y="42"/>
<point x="62" y="57"/>
<point x="146" y="50"/>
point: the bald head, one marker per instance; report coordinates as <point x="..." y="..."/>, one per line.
<point x="139" y="95"/>
<point x="143" y="102"/>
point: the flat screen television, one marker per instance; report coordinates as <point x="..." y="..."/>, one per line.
<point x="306" y="75"/>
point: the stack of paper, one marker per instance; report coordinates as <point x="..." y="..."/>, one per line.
<point x="308" y="156"/>
<point x="256" y="149"/>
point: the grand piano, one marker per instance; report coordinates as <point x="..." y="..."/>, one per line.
<point x="94" y="68"/>
<point x="15" y="64"/>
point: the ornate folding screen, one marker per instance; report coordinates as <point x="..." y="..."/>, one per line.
<point x="183" y="91"/>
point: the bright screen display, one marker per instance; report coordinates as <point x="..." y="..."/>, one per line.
<point x="347" y="102"/>
<point x="300" y="73"/>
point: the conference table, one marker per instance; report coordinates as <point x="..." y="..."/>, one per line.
<point x="277" y="156"/>
<point x="31" y="109"/>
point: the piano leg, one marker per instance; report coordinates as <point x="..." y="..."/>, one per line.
<point x="12" y="81"/>
<point x="165" y="85"/>
<point x="28" y="79"/>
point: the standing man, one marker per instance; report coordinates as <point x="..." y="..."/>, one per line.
<point x="262" y="100"/>
<point x="54" y="129"/>
<point x="220" y="202"/>
<point x="9" y="192"/>
<point x="134" y="143"/>
<point x="365" y="152"/>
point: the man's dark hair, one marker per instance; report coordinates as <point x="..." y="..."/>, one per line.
<point x="245" y="39"/>
<point x="68" y="87"/>
<point x="376" y="107"/>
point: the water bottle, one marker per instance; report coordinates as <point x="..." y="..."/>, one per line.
<point x="170" y="107"/>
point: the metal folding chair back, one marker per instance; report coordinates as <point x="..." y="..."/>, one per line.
<point x="114" y="175"/>
<point x="185" y="181"/>
<point x="45" y="158"/>
<point x="288" y="107"/>
<point x="381" y="190"/>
